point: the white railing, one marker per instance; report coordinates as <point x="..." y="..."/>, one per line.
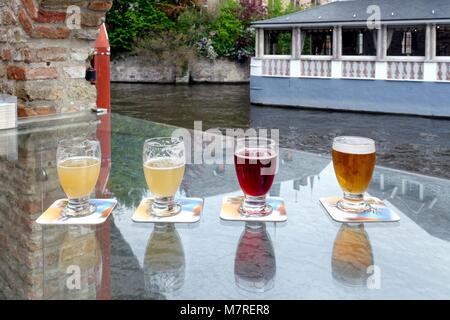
<point x="443" y="71"/>
<point x="315" y="68"/>
<point x="429" y="71"/>
<point x="276" y="67"/>
<point x="359" y="69"/>
<point x="405" y="70"/>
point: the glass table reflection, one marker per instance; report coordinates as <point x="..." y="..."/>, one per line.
<point x="308" y="257"/>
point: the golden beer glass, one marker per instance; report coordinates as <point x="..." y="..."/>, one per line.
<point x="78" y="166"/>
<point x="354" y="162"/>
<point x="164" y="163"/>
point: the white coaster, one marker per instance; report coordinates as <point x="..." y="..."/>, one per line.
<point x="379" y="213"/>
<point x="230" y="210"/>
<point x="191" y="210"/>
<point x="53" y="215"/>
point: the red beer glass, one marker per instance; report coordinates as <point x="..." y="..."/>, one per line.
<point x="255" y="161"/>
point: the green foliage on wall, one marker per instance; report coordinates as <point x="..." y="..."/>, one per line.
<point x="227" y="28"/>
<point x="128" y="20"/>
<point x="139" y="25"/>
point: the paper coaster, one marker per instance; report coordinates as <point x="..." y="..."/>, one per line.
<point x="191" y="210"/>
<point x="230" y="210"/>
<point x="380" y="212"/>
<point x="53" y="215"/>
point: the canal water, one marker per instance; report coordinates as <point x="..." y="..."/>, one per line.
<point x="417" y="144"/>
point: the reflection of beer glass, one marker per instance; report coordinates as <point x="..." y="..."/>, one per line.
<point x="164" y="164"/>
<point x="164" y="261"/>
<point x="80" y="249"/>
<point x="352" y="255"/>
<point x="255" y="264"/>
<point x="255" y="161"/>
<point x="354" y="162"/>
<point x="78" y="165"/>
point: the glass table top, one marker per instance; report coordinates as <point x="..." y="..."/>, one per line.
<point x="308" y="257"/>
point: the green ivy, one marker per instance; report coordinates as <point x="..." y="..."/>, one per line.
<point x="128" y="20"/>
<point x="226" y="34"/>
<point x="227" y="28"/>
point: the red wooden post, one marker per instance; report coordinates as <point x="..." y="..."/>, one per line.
<point x="102" y="67"/>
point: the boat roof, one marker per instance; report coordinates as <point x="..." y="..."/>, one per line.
<point x="359" y="11"/>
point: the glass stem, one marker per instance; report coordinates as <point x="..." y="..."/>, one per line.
<point x="164" y="203"/>
<point x="255" y="206"/>
<point x="79" y="207"/>
<point x="354" y="197"/>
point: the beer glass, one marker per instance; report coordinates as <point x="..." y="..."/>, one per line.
<point x="354" y="162"/>
<point x="78" y="166"/>
<point x="164" y="162"/>
<point x="255" y="161"/>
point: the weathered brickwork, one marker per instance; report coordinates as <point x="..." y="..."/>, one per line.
<point x="45" y="47"/>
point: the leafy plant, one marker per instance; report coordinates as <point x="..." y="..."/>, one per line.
<point x="252" y="10"/>
<point x="170" y="46"/>
<point x="205" y="48"/>
<point x="172" y="29"/>
<point x="128" y="19"/>
<point x="227" y="29"/>
<point x="275" y="8"/>
<point x="194" y="24"/>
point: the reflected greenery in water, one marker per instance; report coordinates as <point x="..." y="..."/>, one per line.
<point x="127" y="181"/>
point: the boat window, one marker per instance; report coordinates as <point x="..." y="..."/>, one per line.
<point x="277" y="42"/>
<point x="317" y="42"/>
<point x="443" y="40"/>
<point x="406" y="41"/>
<point x="359" y="42"/>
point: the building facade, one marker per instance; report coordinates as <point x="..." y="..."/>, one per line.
<point x="362" y="55"/>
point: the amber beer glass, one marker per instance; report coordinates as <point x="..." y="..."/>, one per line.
<point x="164" y="163"/>
<point x="354" y="162"/>
<point x="78" y="165"/>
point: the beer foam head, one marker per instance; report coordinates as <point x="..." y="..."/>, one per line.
<point x="354" y="145"/>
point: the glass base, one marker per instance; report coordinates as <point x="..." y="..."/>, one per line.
<point x="255" y="207"/>
<point x="78" y="208"/>
<point x="354" y="203"/>
<point x="164" y="207"/>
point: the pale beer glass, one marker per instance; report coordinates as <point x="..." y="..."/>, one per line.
<point x="164" y="163"/>
<point x="354" y="162"/>
<point x="78" y="166"/>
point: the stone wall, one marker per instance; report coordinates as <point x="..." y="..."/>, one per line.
<point x="45" y="47"/>
<point x="140" y="69"/>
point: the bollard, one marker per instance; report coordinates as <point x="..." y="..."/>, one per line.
<point x="102" y="67"/>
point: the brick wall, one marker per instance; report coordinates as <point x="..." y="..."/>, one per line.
<point x="45" y="46"/>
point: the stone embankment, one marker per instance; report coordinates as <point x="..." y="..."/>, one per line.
<point x="139" y="69"/>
